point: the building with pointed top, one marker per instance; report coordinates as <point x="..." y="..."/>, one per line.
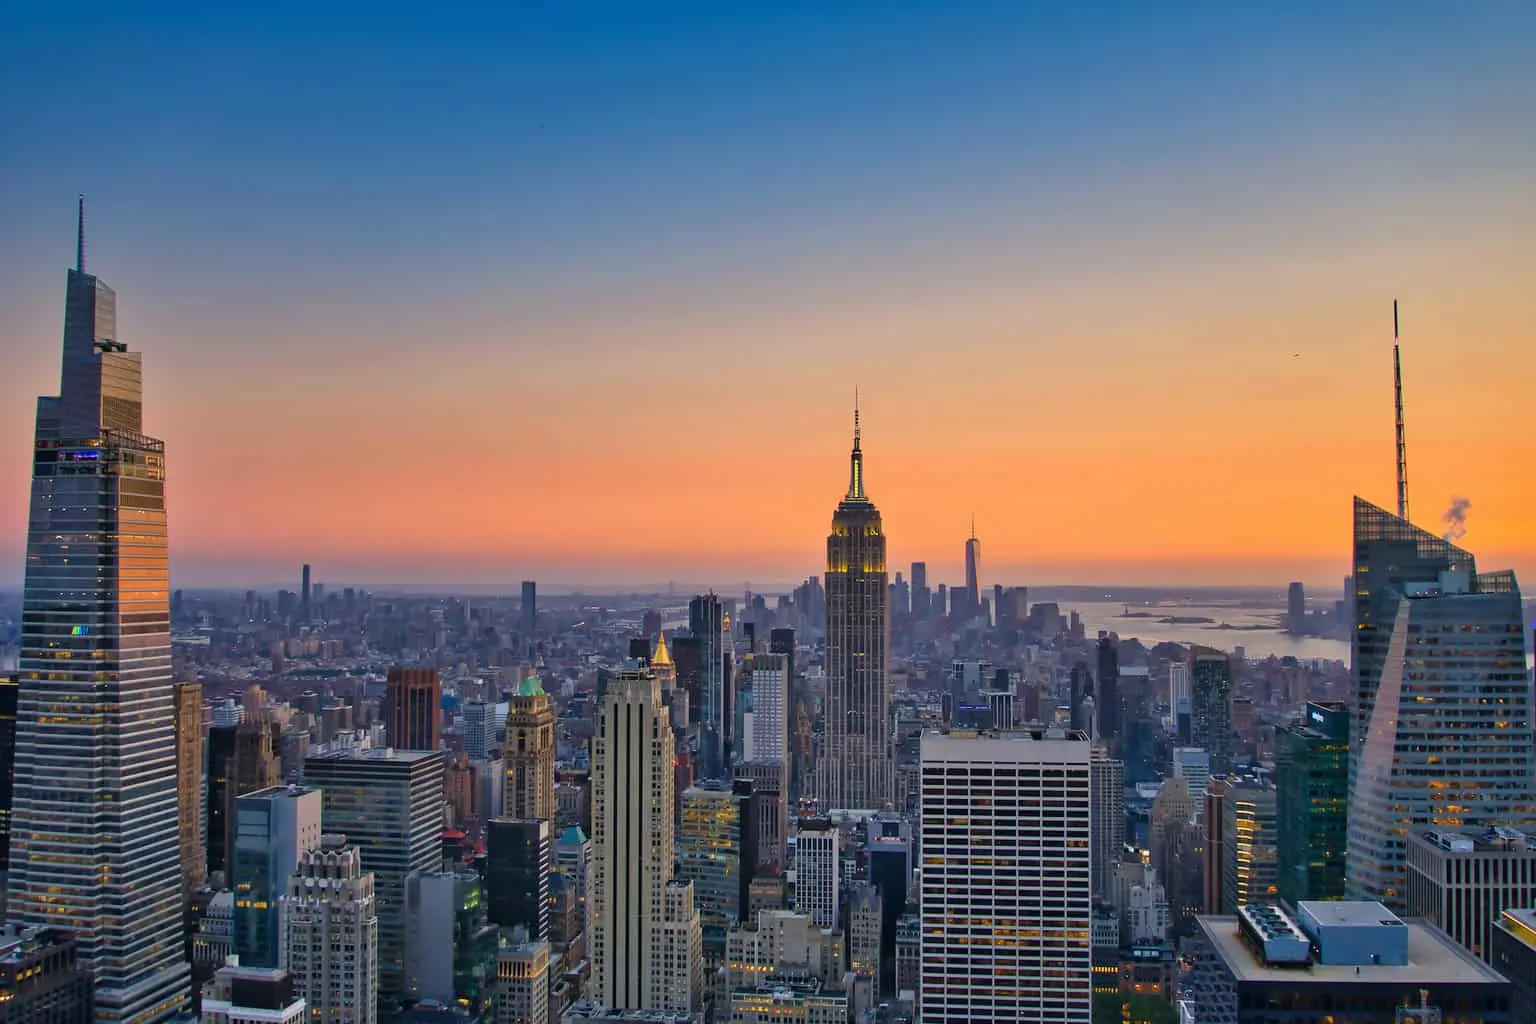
<point x="528" y="755"/>
<point x="95" y="839"/>
<point x="856" y="770"/>
<point x="973" y="573"/>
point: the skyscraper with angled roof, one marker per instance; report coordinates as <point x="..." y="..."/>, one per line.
<point x="856" y="770"/>
<point x="95" y="841"/>
<point x="1440" y="728"/>
<point x="528" y="755"/>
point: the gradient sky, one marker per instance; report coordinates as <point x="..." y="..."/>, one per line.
<point x="582" y="291"/>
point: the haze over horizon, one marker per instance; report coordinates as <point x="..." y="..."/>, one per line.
<point x="583" y="295"/>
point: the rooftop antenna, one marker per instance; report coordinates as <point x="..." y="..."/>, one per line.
<point x="855" y="416"/>
<point x="80" y="238"/>
<point x="1402" y="443"/>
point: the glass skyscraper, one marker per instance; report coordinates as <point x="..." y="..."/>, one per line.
<point x="95" y="842"/>
<point x="1441" y="727"/>
<point x="1312" y="783"/>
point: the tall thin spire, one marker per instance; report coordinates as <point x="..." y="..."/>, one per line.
<point x="80" y="238"/>
<point x="973" y="526"/>
<point x="856" y="460"/>
<point x="1402" y="443"/>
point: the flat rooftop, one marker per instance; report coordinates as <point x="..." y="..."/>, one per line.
<point x="1433" y="959"/>
<point x="1349" y="912"/>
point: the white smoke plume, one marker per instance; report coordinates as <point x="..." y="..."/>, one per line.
<point x="1455" y="519"/>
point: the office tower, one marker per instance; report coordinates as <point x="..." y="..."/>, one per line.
<point x="10" y="690"/>
<point x="479" y="729"/>
<point x="856" y="770"/>
<point x="717" y="852"/>
<point x="413" y="700"/>
<point x="864" y="919"/>
<point x="528" y="616"/>
<point x="769" y="780"/>
<point x="1193" y="765"/>
<point x="1296" y="609"/>
<point x="189" y="784"/>
<point x="818" y="871"/>
<point x="330" y="934"/>
<point x="1106" y="694"/>
<point x="1335" y="961"/>
<point x="94" y="838"/>
<point x="1441" y="730"/>
<point x="633" y="838"/>
<point x="706" y="621"/>
<point x="41" y="979"/>
<point x="252" y="995"/>
<point x="1461" y="883"/>
<point x="528" y="755"/>
<point x="1107" y="786"/>
<point x="1213" y="820"/>
<point x="890" y="871"/>
<point x="1180" y="707"/>
<point x="241" y="759"/>
<point x="765" y="735"/>
<point x="517" y="868"/>
<point x="274" y="828"/>
<point x="522" y="982"/>
<point x="389" y="804"/>
<point x="1210" y="707"/>
<point x="922" y="597"/>
<point x="1311" y="803"/>
<point x="1250" y="866"/>
<point x="1514" y="956"/>
<point x="972" y="571"/>
<point x="573" y="859"/>
<point x="450" y="947"/>
<point x="1005" y="842"/>
<point x="304" y="606"/>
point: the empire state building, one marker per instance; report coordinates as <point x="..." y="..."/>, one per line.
<point x="856" y="770"/>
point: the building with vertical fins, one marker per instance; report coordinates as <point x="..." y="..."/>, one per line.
<point x="528" y="755"/>
<point x="189" y="785"/>
<point x="1441" y="727"/>
<point x="94" y="841"/>
<point x="413" y="708"/>
<point x="856" y="770"/>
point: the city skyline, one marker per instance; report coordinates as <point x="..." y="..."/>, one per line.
<point x="1099" y="298"/>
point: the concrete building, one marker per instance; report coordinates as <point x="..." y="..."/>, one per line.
<point x="818" y="871"/>
<point x="252" y="995"/>
<point x="1329" y="956"/>
<point x="274" y="828"/>
<point x="1513" y="949"/>
<point x="41" y="981"/>
<point x="330" y="929"/>
<point x="522" y="982"/>
<point x="413" y="715"/>
<point x="389" y="804"/>
<point x="189" y="788"/>
<point x="528" y="755"/>
<point x="1107" y="786"/>
<point x="1005" y="853"/>
<point x="783" y="942"/>
<point x="1462" y="883"/>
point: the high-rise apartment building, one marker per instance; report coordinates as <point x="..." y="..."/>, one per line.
<point x="389" y="804"/>
<point x="857" y="767"/>
<point x="274" y="828"/>
<point x="1211" y="707"/>
<point x="528" y="755"/>
<point x="1005" y="845"/>
<point x="1462" y="883"/>
<point x="518" y="862"/>
<point x="818" y="871"/>
<point x="189" y="785"/>
<point x="413" y="714"/>
<point x="1441" y="730"/>
<point x="1312" y="802"/>
<point x="765" y="732"/>
<point x="94" y="841"/>
<point x="528" y="616"/>
<point x="707" y="622"/>
<point x="10" y="690"/>
<point x="1108" y="821"/>
<point x="330" y="934"/>
<point x="631" y="916"/>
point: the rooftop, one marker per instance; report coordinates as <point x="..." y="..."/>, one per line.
<point x="1497" y="839"/>
<point x="1358" y="913"/>
<point x="1521" y="924"/>
<point x="388" y="754"/>
<point x="1433" y="959"/>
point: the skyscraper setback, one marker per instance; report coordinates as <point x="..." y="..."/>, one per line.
<point x="95" y="841"/>
<point x="856" y="770"/>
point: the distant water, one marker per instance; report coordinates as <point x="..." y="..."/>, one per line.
<point x="1256" y="643"/>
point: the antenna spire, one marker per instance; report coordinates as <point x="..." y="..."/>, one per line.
<point x="80" y="238"/>
<point x="856" y="459"/>
<point x="1402" y="443"/>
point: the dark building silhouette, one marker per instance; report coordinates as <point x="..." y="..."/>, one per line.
<point x="1210" y="687"/>
<point x="413" y="700"/>
<point x="40" y="979"/>
<point x="529" y="614"/>
<point x="1107" y="699"/>
<point x="1296" y="609"/>
<point x="707" y="623"/>
<point x="304" y="595"/>
<point x="517" y="869"/>
<point x="688" y="658"/>
<point x="241" y="759"/>
<point x="10" y="690"/>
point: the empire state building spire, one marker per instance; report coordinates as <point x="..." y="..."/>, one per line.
<point x="856" y="462"/>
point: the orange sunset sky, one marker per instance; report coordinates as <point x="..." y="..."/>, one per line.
<point x="1131" y="310"/>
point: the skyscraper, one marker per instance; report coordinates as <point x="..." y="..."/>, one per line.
<point x="528" y="755"/>
<point x="1312" y="799"/>
<point x="413" y="708"/>
<point x="706" y="620"/>
<point x="1211" y="708"/>
<point x="973" y="572"/>
<point x="330" y="934"/>
<point x="10" y="689"/>
<point x="856" y="771"/>
<point x="389" y="804"/>
<point x="517" y="868"/>
<point x="94" y="838"/>
<point x="1251" y="861"/>
<point x="633" y="915"/>
<point x="1108" y="819"/>
<point x="274" y="828"/>
<point x="1106" y="696"/>
<point x="529" y="614"/>
<point x="1006" y="907"/>
<point x="818" y="870"/>
<point x="189" y="784"/>
<point x="1296" y="609"/>
<point x="1441" y="729"/>
<point x="304" y="595"/>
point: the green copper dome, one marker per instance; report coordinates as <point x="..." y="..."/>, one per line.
<point x="530" y="687"/>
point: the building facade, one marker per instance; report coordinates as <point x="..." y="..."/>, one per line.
<point x="518" y="863"/>
<point x="1005" y="854"/>
<point x="1210" y="685"/>
<point x="330" y="934"/>
<point x="528" y="754"/>
<point x="857" y="768"/>
<point x="413" y="708"/>
<point x="1312" y="803"/>
<point x="274" y="828"/>
<point x="1108" y="789"/>
<point x="95" y="762"/>
<point x="1462" y="883"/>
<point x="189" y="786"/>
<point x="818" y="871"/>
